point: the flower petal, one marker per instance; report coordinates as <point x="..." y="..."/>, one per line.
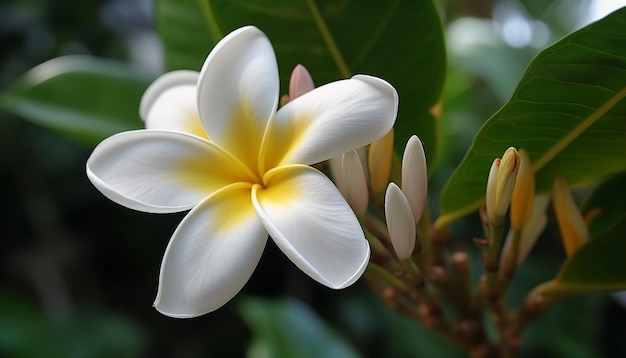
<point x="169" y="103"/>
<point x="238" y="92"/>
<point x="211" y="255"/>
<point x="159" y="171"/>
<point x="312" y="224"/>
<point x="330" y="120"/>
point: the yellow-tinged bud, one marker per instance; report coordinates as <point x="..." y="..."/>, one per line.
<point x="500" y="185"/>
<point x="379" y="162"/>
<point x="490" y="198"/>
<point x="507" y="174"/>
<point x="415" y="176"/>
<point x="354" y="182"/>
<point x="532" y="229"/>
<point x="400" y="222"/>
<point x="300" y="82"/>
<point x="523" y="192"/>
<point x="571" y="222"/>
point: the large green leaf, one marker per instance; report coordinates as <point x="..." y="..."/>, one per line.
<point x="188" y="31"/>
<point x="400" y="41"/>
<point x="606" y="204"/>
<point x="84" y="97"/>
<point x="599" y="265"/>
<point x="287" y="328"/>
<point x="568" y="112"/>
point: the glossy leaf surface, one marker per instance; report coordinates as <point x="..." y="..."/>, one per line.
<point x="287" y="328"/>
<point x="606" y="204"/>
<point x="84" y="97"/>
<point x="599" y="265"/>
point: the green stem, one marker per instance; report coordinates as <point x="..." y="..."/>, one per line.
<point x="380" y="273"/>
<point x="509" y="262"/>
<point x="491" y="259"/>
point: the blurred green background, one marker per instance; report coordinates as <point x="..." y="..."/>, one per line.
<point x="78" y="273"/>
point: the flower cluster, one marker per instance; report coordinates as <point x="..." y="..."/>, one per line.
<point x="511" y="187"/>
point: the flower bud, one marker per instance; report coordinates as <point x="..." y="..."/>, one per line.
<point x="334" y="165"/>
<point x="300" y="82"/>
<point x="500" y="185"/>
<point x="490" y="198"/>
<point x="400" y="222"/>
<point x="354" y="182"/>
<point x="523" y="192"/>
<point x="571" y="222"/>
<point x="533" y="228"/>
<point x="414" y="176"/>
<point x="380" y="155"/>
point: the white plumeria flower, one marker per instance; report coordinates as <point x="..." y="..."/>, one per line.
<point x="251" y="178"/>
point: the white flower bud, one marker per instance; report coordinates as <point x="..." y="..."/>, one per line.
<point x="415" y="176"/>
<point x="354" y="182"/>
<point x="400" y="222"/>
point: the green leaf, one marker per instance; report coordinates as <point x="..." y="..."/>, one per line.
<point x="28" y="331"/>
<point x="606" y="204"/>
<point x="188" y="31"/>
<point x="287" y="328"/>
<point x="400" y="41"/>
<point x="383" y="332"/>
<point x="567" y="112"/>
<point x="84" y="97"/>
<point x="571" y="329"/>
<point x="597" y="266"/>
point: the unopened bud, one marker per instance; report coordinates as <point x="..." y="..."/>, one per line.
<point x="379" y="159"/>
<point x="532" y="229"/>
<point x="523" y="192"/>
<point x="415" y="176"/>
<point x="571" y="222"/>
<point x="500" y="185"/>
<point x="490" y="198"/>
<point x="300" y="82"/>
<point x="334" y="165"/>
<point x="400" y="222"/>
<point x="354" y="182"/>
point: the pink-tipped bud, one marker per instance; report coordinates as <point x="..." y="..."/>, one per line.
<point x="300" y="82"/>
<point x="571" y="222"/>
<point x="500" y="184"/>
<point x="354" y="182"/>
<point x="415" y="176"/>
<point x="400" y="222"/>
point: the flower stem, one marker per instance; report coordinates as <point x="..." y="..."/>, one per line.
<point x="509" y="262"/>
